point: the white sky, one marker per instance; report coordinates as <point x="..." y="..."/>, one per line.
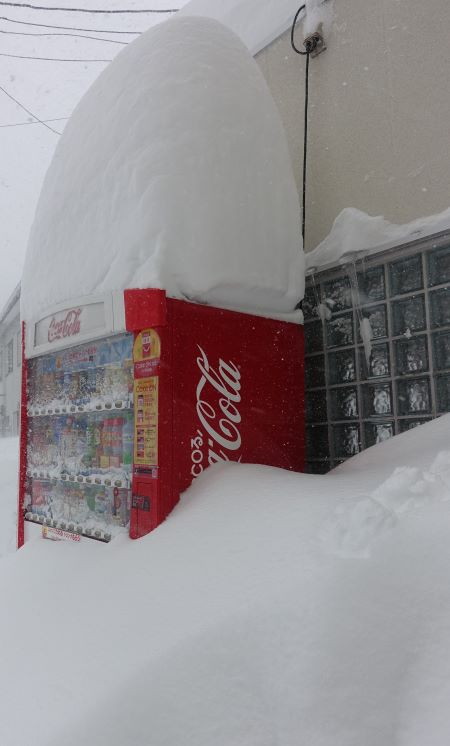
<point x="49" y="90"/>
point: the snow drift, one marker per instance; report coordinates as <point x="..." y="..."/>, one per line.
<point x="172" y="172"/>
<point x="270" y="608"/>
<point x="9" y="482"/>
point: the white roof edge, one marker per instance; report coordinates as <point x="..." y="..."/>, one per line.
<point x="257" y="22"/>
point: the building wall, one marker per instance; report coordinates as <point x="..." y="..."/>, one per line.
<point x="10" y="366"/>
<point x="379" y="111"/>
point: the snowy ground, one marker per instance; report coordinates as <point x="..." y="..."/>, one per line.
<point x="9" y="469"/>
<point x="271" y="608"/>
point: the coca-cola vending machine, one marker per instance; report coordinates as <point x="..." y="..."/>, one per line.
<point x="128" y="397"/>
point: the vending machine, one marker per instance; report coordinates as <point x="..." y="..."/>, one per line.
<point x="128" y="397"/>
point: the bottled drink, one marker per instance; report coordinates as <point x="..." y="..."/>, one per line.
<point x="127" y="440"/>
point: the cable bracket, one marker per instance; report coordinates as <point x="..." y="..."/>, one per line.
<point x="315" y="43"/>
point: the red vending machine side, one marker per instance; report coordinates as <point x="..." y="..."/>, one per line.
<point x="22" y="445"/>
<point x="238" y="390"/>
<point x="146" y="316"/>
<point x="210" y="385"/>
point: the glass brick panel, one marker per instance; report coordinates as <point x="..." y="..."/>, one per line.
<point x="441" y="350"/>
<point x="338" y="294"/>
<point x="411" y="355"/>
<point x="309" y="304"/>
<point x="342" y="366"/>
<point x="440" y="307"/>
<point x="378" y="362"/>
<point x="409" y="315"/>
<point x="340" y="331"/>
<point x="315" y="371"/>
<point x="338" y="462"/>
<point x="413" y="395"/>
<point x="316" y="406"/>
<point x="410" y="337"/>
<point x="313" y="336"/>
<point x="371" y="285"/>
<point x="317" y="467"/>
<point x="438" y="266"/>
<point x="377" y="432"/>
<point x="317" y="442"/>
<point x="347" y="441"/>
<point x="344" y="403"/>
<point x="443" y="393"/>
<point x="378" y="322"/>
<point x="406" y="275"/>
<point x="410" y="424"/>
<point x="377" y="399"/>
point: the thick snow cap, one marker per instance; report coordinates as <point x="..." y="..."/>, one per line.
<point x="173" y="172"/>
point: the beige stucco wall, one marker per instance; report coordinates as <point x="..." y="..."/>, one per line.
<point x="379" y="118"/>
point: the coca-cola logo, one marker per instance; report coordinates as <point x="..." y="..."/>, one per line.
<point x="218" y="394"/>
<point x="66" y="327"/>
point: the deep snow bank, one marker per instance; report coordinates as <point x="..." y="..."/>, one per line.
<point x="172" y="172"/>
<point x="269" y="606"/>
<point x="9" y="470"/>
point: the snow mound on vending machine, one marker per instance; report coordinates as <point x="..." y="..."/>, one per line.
<point x="173" y="172"/>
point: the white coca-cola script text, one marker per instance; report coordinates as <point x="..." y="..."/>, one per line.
<point x="67" y="327"/>
<point x="220" y="418"/>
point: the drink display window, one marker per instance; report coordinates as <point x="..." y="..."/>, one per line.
<point x="80" y="437"/>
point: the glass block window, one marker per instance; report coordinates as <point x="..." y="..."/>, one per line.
<point x="347" y="440"/>
<point x="409" y="315"/>
<point x="344" y="403"/>
<point x="438" y="262"/>
<point x="441" y="350"/>
<point x="406" y="275"/>
<point x="411" y="355"/>
<point x="440" y="307"/>
<point x="315" y="372"/>
<point x="359" y="395"/>
<point x="371" y="284"/>
<point x="342" y="366"/>
<point x="414" y="395"/>
<point x="313" y="336"/>
<point x="338" y="294"/>
<point x="379" y="363"/>
<point x="340" y="330"/>
<point x="377" y="432"/>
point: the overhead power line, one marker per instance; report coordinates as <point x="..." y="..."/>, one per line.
<point x="48" y="59"/>
<point x="70" y="28"/>
<point x="75" y="36"/>
<point x="44" y="121"/>
<point x="89" y="10"/>
<point x="28" y="111"/>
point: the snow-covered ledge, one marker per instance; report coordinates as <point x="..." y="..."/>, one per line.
<point x="354" y="231"/>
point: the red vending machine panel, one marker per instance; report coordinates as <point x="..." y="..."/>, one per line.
<point x="210" y="385"/>
<point x="145" y="503"/>
<point x="238" y="390"/>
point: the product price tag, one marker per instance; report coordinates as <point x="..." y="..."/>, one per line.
<point x="57" y="534"/>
